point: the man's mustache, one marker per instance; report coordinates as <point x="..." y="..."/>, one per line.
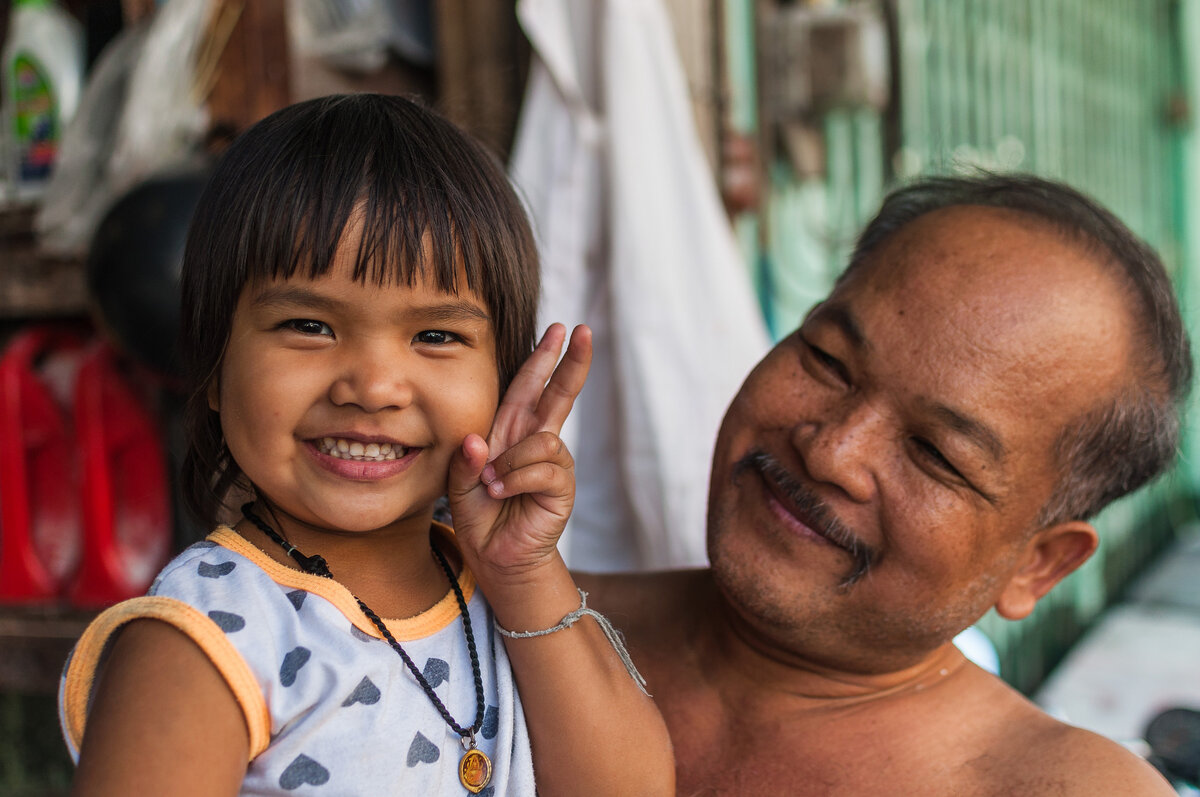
<point x="816" y="514"/>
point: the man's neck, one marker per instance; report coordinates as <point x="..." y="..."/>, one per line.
<point x="745" y="658"/>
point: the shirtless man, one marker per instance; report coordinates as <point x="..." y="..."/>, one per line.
<point x="1000" y="361"/>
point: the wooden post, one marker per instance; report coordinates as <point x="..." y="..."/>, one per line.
<point x="483" y="59"/>
<point x="245" y="56"/>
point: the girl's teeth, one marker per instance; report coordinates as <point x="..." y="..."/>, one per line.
<point x="352" y="449"/>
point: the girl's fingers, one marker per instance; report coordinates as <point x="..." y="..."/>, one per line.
<point x="567" y="381"/>
<point x="542" y="393"/>
<point x="466" y="464"/>
<point x="525" y="390"/>
<point x="539" y="448"/>
<point x="539" y="478"/>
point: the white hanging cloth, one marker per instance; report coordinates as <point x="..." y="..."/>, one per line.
<point x="635" y="243"/>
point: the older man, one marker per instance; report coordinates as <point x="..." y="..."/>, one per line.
<point x="1001" y="360"/>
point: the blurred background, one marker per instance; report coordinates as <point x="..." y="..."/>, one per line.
<point x="707" y="160"/>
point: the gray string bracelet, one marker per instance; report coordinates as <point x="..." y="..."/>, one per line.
<point x="613" y="635"/>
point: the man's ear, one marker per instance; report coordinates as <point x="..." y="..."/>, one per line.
<point x="1049" y="556"/>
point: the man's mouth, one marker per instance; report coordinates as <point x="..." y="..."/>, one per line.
<point x="341" y="448"/>
<point x="810" y="510"/>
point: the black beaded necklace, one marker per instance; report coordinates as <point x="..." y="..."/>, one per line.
<point x="475" y="768"/>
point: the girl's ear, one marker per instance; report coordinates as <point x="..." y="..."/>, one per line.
<point x="1051" y="555"/>
<point x="214" y="395"/>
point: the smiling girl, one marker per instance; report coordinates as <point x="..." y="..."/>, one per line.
<point x="360" y="285"/>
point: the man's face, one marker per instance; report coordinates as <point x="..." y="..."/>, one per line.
<point x="880" y="473"/>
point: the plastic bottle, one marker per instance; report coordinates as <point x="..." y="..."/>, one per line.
<point x="42" y="69"/>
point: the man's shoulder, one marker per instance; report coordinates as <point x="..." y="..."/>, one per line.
<point x="977" y="736"/>
<point x="1043" y="755"/>
<point x="1073" y="761"/>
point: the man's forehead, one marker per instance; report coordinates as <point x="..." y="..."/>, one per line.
<point x="989" y="259"/>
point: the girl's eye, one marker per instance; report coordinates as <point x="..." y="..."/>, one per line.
<point x="436" y="337"/>
<point x="307" y="326"/>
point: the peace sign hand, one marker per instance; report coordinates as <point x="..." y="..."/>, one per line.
<point x="511" y="495"/>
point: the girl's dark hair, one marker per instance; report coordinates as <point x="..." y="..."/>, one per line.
<point x="433" y="201"/>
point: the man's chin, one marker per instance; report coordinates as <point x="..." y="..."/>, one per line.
<point x="823" y="624"/>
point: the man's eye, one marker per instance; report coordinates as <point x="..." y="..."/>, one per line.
<point x="307" y="326"/>
<point x="825" y="359"/>
<point x="931" y="454"/>
<point x="436" y="337"/>
<point x="828" y="362"/>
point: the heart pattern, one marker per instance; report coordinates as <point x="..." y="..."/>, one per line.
<point x="422" y="751"/>
<point x="306" y="771"/>
<point x="436" y="672"/>
<point x="227" y="621"/>
<point x="366" y="693"/>
<point x="491" y="722"/>
<point x="303" y="771"/>
<point x="296" y="658"/>
<point x="206" y="570"/>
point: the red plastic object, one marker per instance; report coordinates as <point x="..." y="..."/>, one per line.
<point x="39" y="520"/>
<point x="125" y="497"/>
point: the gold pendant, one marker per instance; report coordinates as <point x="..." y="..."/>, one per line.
<point x="475" y="770"/>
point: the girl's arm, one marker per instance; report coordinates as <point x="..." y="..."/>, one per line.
<point x="593" y="731"/>
<point x="163" y="721"/>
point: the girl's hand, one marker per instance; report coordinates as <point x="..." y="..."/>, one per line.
<point x="511" y="495"/>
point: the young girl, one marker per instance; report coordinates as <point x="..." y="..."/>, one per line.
<point x="359" y="291"/>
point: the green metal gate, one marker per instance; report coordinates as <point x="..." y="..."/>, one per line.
<point x="1078" y="90"/>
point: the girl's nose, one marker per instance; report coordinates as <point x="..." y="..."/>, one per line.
<point x="843" y="448"/>
<point x="373" y="381"/>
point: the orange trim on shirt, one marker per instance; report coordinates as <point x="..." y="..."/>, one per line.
<point x="91" y="648"/>
<point x="425" y="624"/>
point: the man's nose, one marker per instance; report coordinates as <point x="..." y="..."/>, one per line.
<point x="843" y="447"/>
<point x="373" y="377"/>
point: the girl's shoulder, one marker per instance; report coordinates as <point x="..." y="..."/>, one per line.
<point x="222" y="562"/>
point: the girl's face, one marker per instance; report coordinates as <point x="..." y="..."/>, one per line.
<point x="343" y="402"/>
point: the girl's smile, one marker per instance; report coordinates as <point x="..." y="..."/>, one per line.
<point x="352" y="459"/>
<point x="343" y="448"/>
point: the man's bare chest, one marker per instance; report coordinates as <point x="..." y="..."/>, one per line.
<point x="811" y="771"/>
<point x="823" y="754"/>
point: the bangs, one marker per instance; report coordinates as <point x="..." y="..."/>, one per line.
<point x="425" y="208"/>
